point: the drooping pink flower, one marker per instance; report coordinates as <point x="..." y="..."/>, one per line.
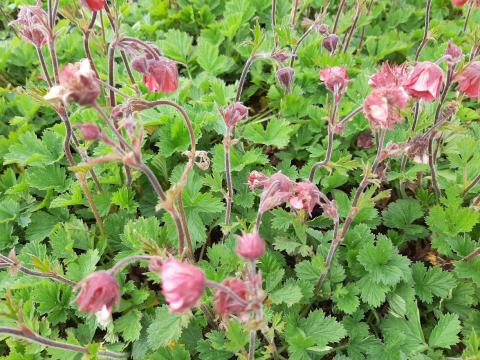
<point x="335" y="79"/>
<point x="256" y="180"/>
<point x="389" y="76"/>
<point x="285" y="78"/>
<point x="469" y="80"/>
<point x="425" y="81"/>
<point x="182" y="284"/>
<point x="77" y="83"/>
<point x="234" y="113"/>
<point x="32" y="24"/>
<point x="277" y="189"/>
<point x="89" y="131"/>
<point x="98" y="293"/>
<point x="382" y="107"/>
<point x="305" y="196"/>
<point x="161" y="76"/>
<point x="375" y="108"/>
<point x="226" y="305"/>
<point x="459" y="3"/>
<point x="250" y="246"/>
<point x="364" y="140"/>
<point x="95" y="5"/>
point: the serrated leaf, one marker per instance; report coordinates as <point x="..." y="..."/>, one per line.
<point x="431" y="281"/>
<point x="165" y="327"/>
<point x="276" y="133"/>
<point x="83" y="266"/>
<point x="323" y="329"/>
<point x="445" y="333"/>
<point x="288" y="294"/>
<point x="129" y="325"/>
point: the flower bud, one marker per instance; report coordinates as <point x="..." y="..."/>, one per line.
<point x="182" y="285"/>
<point x="226" y="305"/>
<point x="89" y="131"/>
<point x="32" y="24"/>
<point x="285" y="78"/>
<point x="94" y="5"/>
<point x="280" y="55"/>
<point x="330" y="43"/>
<point x="250" y="246"/>
<point x="425" y="81"/>
<point x="335" y="79"/>
<point x="453" y="51"/>
<point x="322" y="29"/>
<point x="305" y="196"/>
<point x="459" y="3"/>
<point x="234" y="113"/>
<point x="98" y="293"/>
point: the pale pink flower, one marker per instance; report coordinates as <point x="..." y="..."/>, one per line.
<point x="335" y="79"/>
<point x="256" y="180"/>
<point x="382" y="107"/>
<point x="285" y="78"/>
<point x="425" y="81"/>
<point x="277" y="190"/>
<point x="234" y="113"/>
<point x="225" y="305"/>
<point x="330" y="210"/>
<point x="250" y="246"/>
<point x="182" y="284"/>
<point x="305" y="196"/>
<point x="32" y="24"/>
<point x="98" y="293"/>
<point x="469" y="80"/>
<point x="389" y="76"/>
<point x="161" y="76"/>
<point x="77" y="83"/>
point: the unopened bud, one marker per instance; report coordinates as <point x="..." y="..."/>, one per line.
<point x="89" y="131"/>
<point x="285" y="78"/>
<point x="330" y="42"/>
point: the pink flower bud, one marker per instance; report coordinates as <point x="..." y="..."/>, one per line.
<point x="453" y="51"/>
<point x="459" y="3"/>
<point x="77" y="83"/>
<point x="335" y="79"/>
<point x="89" y="131"/>
<point x="425" y="81"/>
<point x="364" y="140"/>
<point x="469" y="80"/>
<point x="32" y="24"/>
<point x="330" y="42"/>
<point x="256" y="180"/>
<point x="330" y="210"/>
<point x="280" y="55"/>
<point x="234" y="113"/>
<point x="322" y="29"/>
<point x="161" y="76"/>
<point x="95" y="5"/>
<point x="182" y="284"/>
<point x="250" y="246"/>
<point x="285" y="78"/>
<point x="338" y="128"/>
<point x="225" y="304"/>
<point x="98" y="292"/>
<point x="305" y="196"/>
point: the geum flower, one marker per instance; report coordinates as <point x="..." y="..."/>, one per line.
<point x="159" y="75"/>
<point x="77" y="83"/>
<point x="469" y="80"/>
<point x="425" y="81"/>
<point x="250" y="246"/>
<point x="336" y="80"/>
<point x="94" y="5"/>
<point x="305" y="196"/>
<point x="277" y="190"/>
<point x="32" y="24"/>
<point x="234" y="113"/>
<point x="182" y="284"/>
<point x="225" y="305"/>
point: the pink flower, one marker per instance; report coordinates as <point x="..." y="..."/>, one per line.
<point x="250" y="246"/>
<point x="285" y="78"/>
<point x="330" y="210"/>
<point x="305" y="196"/>
<point x="77" y="83"/>
<point x="32" y="24"/>
<point x="182" y="284"/>
<point x="425" y="81"/>
<point x="469" y="80"/>
<point x="330" y="42"/>
<point x="256" y="180"/>
<point x="234" y="113"/>
<point x="161" y="76"/>
<point x="95" y="5"/>
<point x="335" y="79"/>
<point x="89" y="131"/>
<point x="453" y="51"/>
<point x="225" y="304"/>
<point x="389" y="76"/>
<point x="459" y="3"/>
<point x="98" y="293"/>
<point x="364" y="140"/>
<point x="382" y="107"/>
<point x="277" y="190"/>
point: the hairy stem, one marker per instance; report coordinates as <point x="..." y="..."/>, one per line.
<point x="228" y="176"/>
<point x="474" y="183"/>
<point x="128" y="260"/>
<point x="469" y="12"/>
<point x="226" y="290"/>
<point x="41" y="58"/>
<point x="293" y="18"/>
<point x="86" y="43"/>
<point x="428" y="8"/>
<point x="353" y="27"/>
<point x="337" y="17"/>
<point x="472" y="255"/>
<point x="274" y="23"/>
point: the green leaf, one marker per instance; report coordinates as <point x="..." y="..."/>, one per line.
<point x="401" y="214"/>
<point x="53" y="299"/>
<point x="276" y="133"/>
<point x="322" y="329"/>
<point x="165" y="327"/>
<point x="237" y="336"/>
<point x="371" y="292"/>
<point x="83" y="266"/>
<point x="9" y="210"/>
<point x="289" y="294"/>
<point x="445" y="333"/>
<point x="47" y="177"/>
<point x="124" y="198"/>
<point x="129" y="325"/>
<point x="209" y="60"/>
<point x="346" y="298"/>
<point x="431" y="282"/>
<point x="177" y="45"/>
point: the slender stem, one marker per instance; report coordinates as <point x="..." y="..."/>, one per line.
<point x="183" y="219"/>
<point x="474" y="183"/>
<point x="128" y="260"/>
<point x="257" y="314"/>
<point x="428" y="8"/>
<point x="111" y="75"/>
<point x="350" y="116"/>
<point x="93" y="207"/>
<point x="226" y="290"/>
<point x="245" y="71"/>
<point x="251" y="347"/>
<point x="362" y="36"/>
<point x="153" y="181"/>
<point x="29" y="335"/>
<point x="118" y="134"/>
<point x="274" y="23"/>
<point x="349" y="36"/>
<point x="293" y="19"/>
<point x="44" y="66"/>
<point x="86" y="43"/>
<point x="337" y="17"/>
<point x="129" y="70"/>
<point x="469" y="12"/>
<point x="228" y="176"/>
<point x="472" y="255"/>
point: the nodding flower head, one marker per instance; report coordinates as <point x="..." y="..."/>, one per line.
<point x="417" y="148"/>
<point x="182" y="284"/>
<point x="305" y="196"/>
<point x="77" y="84"/>
<point x="469" y="80"/>
<point x="285" y="78"/>
<point x="226" y="305"/>
<point x="256" y="180"/>
<point x="89" y="131"/>
<point x="330" y="210"/>
<point x="234" y="113"/>
<point x="277" y="190"/>
<point x="454" y="52"/>
<point x="98" y="293"/>
<point x="459" y="3"/>
<point x="335" y="79"/>
<point x="250" y="246"/>
<point x="32" y="24"/>
<point x="330" y="42"/>
<point x="94" y="5"/>
<point x="389" y="76"/>
<point x="425" y="81"/>
<point x="161" y="76"/>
